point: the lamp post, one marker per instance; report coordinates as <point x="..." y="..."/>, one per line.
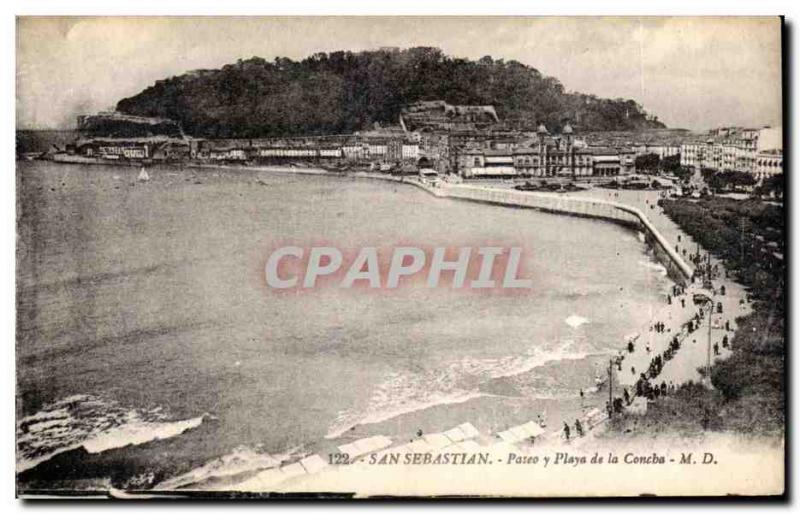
<point x="610" y="387"/>
<point x="708" y="346"/>
<point x="710" y="302"/>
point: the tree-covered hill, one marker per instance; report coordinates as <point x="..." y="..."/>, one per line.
<point x="345" y="91"/>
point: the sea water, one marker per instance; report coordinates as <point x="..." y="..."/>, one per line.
<point x="149" y="348"/>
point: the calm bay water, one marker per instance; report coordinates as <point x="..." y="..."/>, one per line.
<point x="142" y="313"/>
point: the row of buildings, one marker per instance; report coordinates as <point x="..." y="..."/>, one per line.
<point x="755" y="151"/>
<point x="436" y="137"/>
<point x="432" y="137"/>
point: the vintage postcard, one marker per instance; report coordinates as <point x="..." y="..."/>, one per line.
<point x="358" y="257"/>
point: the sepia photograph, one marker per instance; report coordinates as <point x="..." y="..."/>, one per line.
<point x="359" y="257"/>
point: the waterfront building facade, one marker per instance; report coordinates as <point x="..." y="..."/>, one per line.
<point x="735" y="149"/>
<point x="692" y="154"/>
<point x="227" y="154"/>
<point x="769" y="163"/>
<point x="662" y="150"/>
<point x="544" y="156"/>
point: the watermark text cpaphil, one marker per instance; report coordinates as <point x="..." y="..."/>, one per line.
<point x="456" y="267"/>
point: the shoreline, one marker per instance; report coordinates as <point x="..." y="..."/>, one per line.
<point x="557" y="412"/>
<point x="438" y="192"/>
<point x="674" y="371"/>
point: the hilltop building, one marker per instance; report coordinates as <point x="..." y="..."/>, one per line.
<point x="114" y="136"/>
<point x="118" y="125"/>
<point x="438" y="115"/>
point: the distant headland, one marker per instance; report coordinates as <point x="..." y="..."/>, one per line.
<point x="342" y="92"/>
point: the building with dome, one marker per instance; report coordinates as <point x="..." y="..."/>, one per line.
<point x="544" y="156"/>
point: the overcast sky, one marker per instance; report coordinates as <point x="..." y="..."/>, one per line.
<point x="693" y="73"/>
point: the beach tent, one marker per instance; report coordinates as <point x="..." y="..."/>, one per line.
<point x="462" y="432"/>
<point x="270" y="478"/>
<point x="521" y="432"/>
<point x="437" y="441"/>
<point x="366" y="445"/>
<point x="419" y="446"/>
<point x="313" y="463"/>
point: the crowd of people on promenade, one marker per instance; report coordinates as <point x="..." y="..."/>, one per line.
<point x="646" y="385"/>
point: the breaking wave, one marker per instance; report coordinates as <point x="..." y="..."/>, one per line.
<point x="241" y="460"/>
<point x="458" y="382"/>
<point x="384" y="407"/>
<point x="92" y="423"/>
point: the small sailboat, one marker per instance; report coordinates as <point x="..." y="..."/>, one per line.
<point x="143" y="175"/>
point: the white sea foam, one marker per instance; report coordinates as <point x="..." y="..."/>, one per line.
<point x="575" y="321"/>
<point x="518" y="364"/>
<point x="455" y="383"/>
<point x="240" y="460"/>
<point x="138" y="432"/>
<point x="411" y="402"/>
<point x="92" y="423"/>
